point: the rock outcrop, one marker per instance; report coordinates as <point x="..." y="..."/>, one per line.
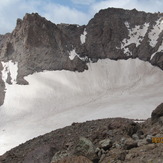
<point x="37" y="44"/>
<point x="157" y="113"/>
<point x="74" y="159"/>
<point x="2" y="86"/>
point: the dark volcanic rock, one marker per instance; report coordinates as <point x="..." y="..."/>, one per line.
<point x="157" y="113"/>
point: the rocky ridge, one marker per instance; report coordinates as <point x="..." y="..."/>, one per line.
<point x="115" y="140"/>
<point x="37" y="44"/>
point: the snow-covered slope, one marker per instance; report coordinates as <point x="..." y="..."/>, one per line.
<point x="54" y="99"/>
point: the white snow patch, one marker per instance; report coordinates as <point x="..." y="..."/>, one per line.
<point x="73" y="54"/>
<point x="127" y="24"/>
<point x="127" y="52"/>
<point x="136" y="35"/>
<point x="83" y="36"/>
<point x="160" y="49"/>
<point x="54" y="99"/>
<point x="139" y="121"/>
<point x="12" y="68"/>
<point x="153" y="35"/>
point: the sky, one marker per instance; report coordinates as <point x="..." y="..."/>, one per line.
<point x="66" y="11"/>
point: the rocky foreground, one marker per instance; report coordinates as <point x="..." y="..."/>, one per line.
<point x="112" y="140"/>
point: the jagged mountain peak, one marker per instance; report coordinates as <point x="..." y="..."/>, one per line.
<point x="112" y="33"/>
<point x="36" y="29"/>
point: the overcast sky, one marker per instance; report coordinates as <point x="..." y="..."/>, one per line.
<point x="66" y="11"/>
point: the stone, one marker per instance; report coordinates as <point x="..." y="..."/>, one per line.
<point x="102" y="157"/>
<point x="74" y="159"/>
<point x="132" y="128"/>
<point x="157" y="113"/>
<point x="117" y="145"/>
<point x="60" y="155"/>
<point x="129" y="156"/>
<point x="142" y="142"/>
<point x="149" y="138"/>
<point x="130" y="143"/>
<point x="121" y="156"/>
<point x="150" y="147"/>
<point x="105" y="144"/>
<point x="2" y="86"/>
<point x="85" y="148"/>
<point x="161" y="120"/>
<point x="135" y="137"/>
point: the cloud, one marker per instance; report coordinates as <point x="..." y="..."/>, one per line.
<point x="83" y="2"/>
<point x="10" y="10"/>
<point x="63" y="14"/>
<point x="73" y="11"/>
<point x="142" y="5"/>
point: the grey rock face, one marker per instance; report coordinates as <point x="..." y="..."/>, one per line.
<point x="105" y="144"/>
<point x="158" y="60"/>
<point x="74" y="159"/>
<point x="37" y="44"/>
<point x="2" y="87"/>
<point x="157" y="113"/>
<point x="85" y="148"/>
<point x="130" y="143"/>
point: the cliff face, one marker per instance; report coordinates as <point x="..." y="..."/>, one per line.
<point x="37" y="44"/>
<point x="120" y="34"/>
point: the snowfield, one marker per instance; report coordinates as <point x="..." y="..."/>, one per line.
<point x="54" y="99"/>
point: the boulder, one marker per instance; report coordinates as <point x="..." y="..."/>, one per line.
<point x="149" y="138"/>
<point x="157" y="113"/>
<point x="60" y="155"/>
<point x="129" y="144"/>
<point x="85" y="148"/>
<point x="105" y="144"/>
<point x="74" y="159"/>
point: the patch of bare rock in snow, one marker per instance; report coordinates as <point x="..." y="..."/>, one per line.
<point x="136" y="35"/>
